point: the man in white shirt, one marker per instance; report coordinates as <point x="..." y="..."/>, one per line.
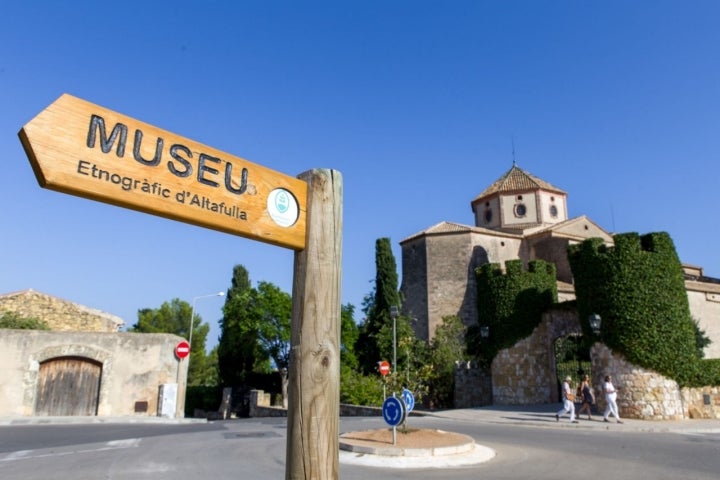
<point x="610" y="399"/>
<point x="568" y="399"/>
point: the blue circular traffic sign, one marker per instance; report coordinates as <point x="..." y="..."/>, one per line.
<point x="393" y="411"/>
<point x="409" y="400"/>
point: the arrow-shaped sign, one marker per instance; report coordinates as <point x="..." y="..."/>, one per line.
<point x="83" y="149"/>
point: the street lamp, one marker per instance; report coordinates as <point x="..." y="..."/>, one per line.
<point x="394" y="314"/>
<point x="192" y="313"/>
<point x="484" y="331"/>
<point x="595" y="322"/>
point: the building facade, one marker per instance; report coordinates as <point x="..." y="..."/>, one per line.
<point x="519" y="216"/>
<point x="83" y="366"/>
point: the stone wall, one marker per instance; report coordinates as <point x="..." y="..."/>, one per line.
<point x="60" y="315"/>
<point x="473" y="385"/>
<point x="438" y="271"/>
<point x="702" y="402"/>
<point x="134" y="366"/>
<point x="525" y="373"/>
<point x="260" y="405"/>
<point x="647" y="395"/>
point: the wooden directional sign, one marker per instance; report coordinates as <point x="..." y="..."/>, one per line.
<point x="83" y="149"/>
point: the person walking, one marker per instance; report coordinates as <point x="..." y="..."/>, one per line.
<point x="588" y="398"/>
<point x="568" y="399"/>
<point x="611" y="400"/>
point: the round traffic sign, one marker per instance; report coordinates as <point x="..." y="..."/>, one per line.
<point x="182" y="349"/>
<point x="384" y="368"/>
<point x="393" y="411"/>
<point x="409" y="399"/>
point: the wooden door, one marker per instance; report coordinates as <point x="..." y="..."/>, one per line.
<point x="68" y="386"/>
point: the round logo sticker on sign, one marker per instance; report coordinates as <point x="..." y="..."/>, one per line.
<point x="282" y="207"/>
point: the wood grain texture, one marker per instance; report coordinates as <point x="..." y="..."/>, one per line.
<point x="314" y="390"/>
<point x="83" y="149"/>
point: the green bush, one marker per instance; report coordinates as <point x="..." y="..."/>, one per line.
<point x="359" y="389"/>
<point x="14" y="321"/>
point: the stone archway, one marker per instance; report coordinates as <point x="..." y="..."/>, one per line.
<point x="572" y="358"/>
<point x="526" y="373"/>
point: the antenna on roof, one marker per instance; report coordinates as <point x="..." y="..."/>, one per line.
<point x="513" y="150"/>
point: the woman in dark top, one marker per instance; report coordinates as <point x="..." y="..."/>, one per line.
<point x="588" y="399"/>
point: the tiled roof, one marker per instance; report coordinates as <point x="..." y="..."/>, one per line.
<point x="450" y="227"/>
<point x="517" y="179"/>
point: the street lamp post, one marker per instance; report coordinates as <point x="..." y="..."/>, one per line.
<point x="192" y="314"/>
<point x="394" y="314"/>
<point x="595" y="322"/>
<point x="484" y="331"/>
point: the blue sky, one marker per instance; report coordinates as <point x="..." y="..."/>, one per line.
<point x="416" y="103"/>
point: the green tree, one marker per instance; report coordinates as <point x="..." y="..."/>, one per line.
<point x="411" y="371"/>
<point x="378" y="309"/>
<point x="447" y="347"/>
<point x="15" y="321"/>
<point x="238" y="348"/>
<point x="349" y="332"/>
<point x="255" y="330"/>
<point x="268" y="314"/>
<point x="174" y="317"/>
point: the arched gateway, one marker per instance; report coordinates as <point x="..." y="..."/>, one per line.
<point x="528" y="372"/>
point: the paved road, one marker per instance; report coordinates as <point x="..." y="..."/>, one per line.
<point x="529" y="443"/>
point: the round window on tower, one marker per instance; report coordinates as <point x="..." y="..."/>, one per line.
<point x="520" y="210"/>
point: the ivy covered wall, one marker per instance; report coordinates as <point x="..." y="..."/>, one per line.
<point x="638" y="289"/>
<point x="510" y="304"/>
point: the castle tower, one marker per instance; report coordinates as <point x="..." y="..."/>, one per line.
<point x="517" y="201"/>
<point x="518" y="217"/>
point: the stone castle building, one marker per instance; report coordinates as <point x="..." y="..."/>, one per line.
<point x="522" y="217"/>
<point x="519" y="216"/>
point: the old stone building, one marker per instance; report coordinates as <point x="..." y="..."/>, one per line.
<point x="84" y="366"/>
<point x="60" y="315"/>
<point x="519" y="216"/>
<point x="522" y="217"/>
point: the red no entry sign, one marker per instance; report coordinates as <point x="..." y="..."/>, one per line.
<point x="182" y="349"/>
<point x="384" y="368"/>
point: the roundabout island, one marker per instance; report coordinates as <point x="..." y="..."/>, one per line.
<point x="413" y="448"/>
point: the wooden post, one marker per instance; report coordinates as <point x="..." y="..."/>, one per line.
<point x="314" y="383"/>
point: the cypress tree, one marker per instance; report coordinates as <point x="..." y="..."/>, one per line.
<point x="377" y="310"/>
<point x="236" y="348"/>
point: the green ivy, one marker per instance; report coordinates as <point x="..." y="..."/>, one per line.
<point x="510" y="304"/>
<point x="638" y="289"/>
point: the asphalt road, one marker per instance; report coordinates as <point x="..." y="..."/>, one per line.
<point x="255" y="449"/>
